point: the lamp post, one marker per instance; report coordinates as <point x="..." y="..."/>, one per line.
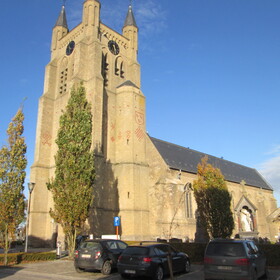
<point x="30" y="188"/>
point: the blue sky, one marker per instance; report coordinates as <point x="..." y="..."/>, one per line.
<point x="210" y="72"/>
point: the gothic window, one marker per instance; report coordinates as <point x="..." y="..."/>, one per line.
<point x="104" y="69"/>
<point x="119" y="68"/>
<point x="189" y="213"/>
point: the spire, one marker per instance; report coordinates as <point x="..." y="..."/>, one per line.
<point x="130" y="20"/>
<point x="61" y="21"/>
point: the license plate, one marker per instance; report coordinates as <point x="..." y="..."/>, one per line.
<point x="85" y="256"/>
<point x="130" y="271"/>
<point x="224" y="267"/>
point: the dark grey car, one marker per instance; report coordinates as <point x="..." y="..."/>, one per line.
<point x="233" y="259"/>
<point x="152" y="260"/>
<point x="99" y="254"/>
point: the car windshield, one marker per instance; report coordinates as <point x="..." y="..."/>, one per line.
<point x="136" y="251"/>
<point x="90" y="245"/>
<point x="225" y="249"/>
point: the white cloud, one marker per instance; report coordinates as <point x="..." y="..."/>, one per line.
<point x="73" y="13"/>
<point x="23" y="81"/>
<point x="151" y="18"/>
<point x="270" y="169"/>
<point x="274" y="151"/>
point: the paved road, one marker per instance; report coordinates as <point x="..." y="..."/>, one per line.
<point x="64" y="269"/>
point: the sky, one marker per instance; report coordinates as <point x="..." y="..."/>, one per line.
<point x="210" y="72"/>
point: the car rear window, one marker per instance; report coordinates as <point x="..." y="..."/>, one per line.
<point x="140" y="251"/>
<point x="90" y="245"/>
<point x="225" y="249"/>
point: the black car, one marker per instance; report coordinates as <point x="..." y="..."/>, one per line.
<point x="152" y="260"/>
<point x="233" y="259"/>
<point x="99" y="254"/>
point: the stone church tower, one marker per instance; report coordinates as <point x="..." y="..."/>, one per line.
<point x="145" y="181"/>
<point x="106" y="62"/>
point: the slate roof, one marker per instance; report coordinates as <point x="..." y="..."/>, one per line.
<point x="127" y="83"/>
<point x="130" y="20"/>
<point x="185" y="159"/>
<point x="61" y="21"/>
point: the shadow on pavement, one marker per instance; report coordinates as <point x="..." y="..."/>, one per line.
<point x="6" y="271"/>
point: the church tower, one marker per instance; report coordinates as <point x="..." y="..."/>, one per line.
<point x="106" y="62"/>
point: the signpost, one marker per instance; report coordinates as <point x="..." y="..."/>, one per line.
<point x="117" y="223"/>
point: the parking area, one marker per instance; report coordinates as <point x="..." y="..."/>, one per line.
<point x="64" y="269"/>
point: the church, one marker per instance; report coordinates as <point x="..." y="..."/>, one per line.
<point x="145" y="181"/>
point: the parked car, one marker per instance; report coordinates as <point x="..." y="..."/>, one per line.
<point x="233" y="259"/>
<point x="151" y="260"/>
<point x="98" y="254"/>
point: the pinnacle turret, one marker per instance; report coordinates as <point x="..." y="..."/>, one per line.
<point x="61" y="21"/>
<point x="130" y="20"/>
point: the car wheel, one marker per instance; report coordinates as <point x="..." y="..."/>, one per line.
<point x="187" y="268"/>
<point x="106" y="268"/>
<point x="159" y="274"/>
<point x="79" y="269"/>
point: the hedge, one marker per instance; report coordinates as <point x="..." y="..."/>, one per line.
<point x="196" y="252"/>
<point x="16" y="258"/>
<point x="272" y="253"/>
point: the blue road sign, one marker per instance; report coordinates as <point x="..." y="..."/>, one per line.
<point x="117" y="221"/>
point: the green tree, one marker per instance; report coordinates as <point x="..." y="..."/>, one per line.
<point x="72" y="186"/>
<point x="12" y="175"/>
<point x="213" y="201"/>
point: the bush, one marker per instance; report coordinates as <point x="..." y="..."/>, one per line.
<point x="272" y="253"/>
<point x="194" y="250"/>
<point x="16" y="258"/>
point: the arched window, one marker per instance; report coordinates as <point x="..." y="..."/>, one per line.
<point x="119" y="67"/>
<point x="189" y="212"/>
<point x="104" y="69"/>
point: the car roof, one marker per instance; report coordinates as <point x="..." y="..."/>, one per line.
<point x="218" y="240"/>
<point x="147" y="244"/>
<point x="102" y="240"/>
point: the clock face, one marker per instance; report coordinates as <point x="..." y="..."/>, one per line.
<point x="70" y="47"/>
<point x="113" y="47"/>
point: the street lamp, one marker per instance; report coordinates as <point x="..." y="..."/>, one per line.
<point x="30" y="188"/>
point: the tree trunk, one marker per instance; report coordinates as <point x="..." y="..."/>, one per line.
<point x="6" y="245"/>
<point x="71" y="241"/>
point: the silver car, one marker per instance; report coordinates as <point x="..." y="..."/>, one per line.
<point x="233" y="259"/>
